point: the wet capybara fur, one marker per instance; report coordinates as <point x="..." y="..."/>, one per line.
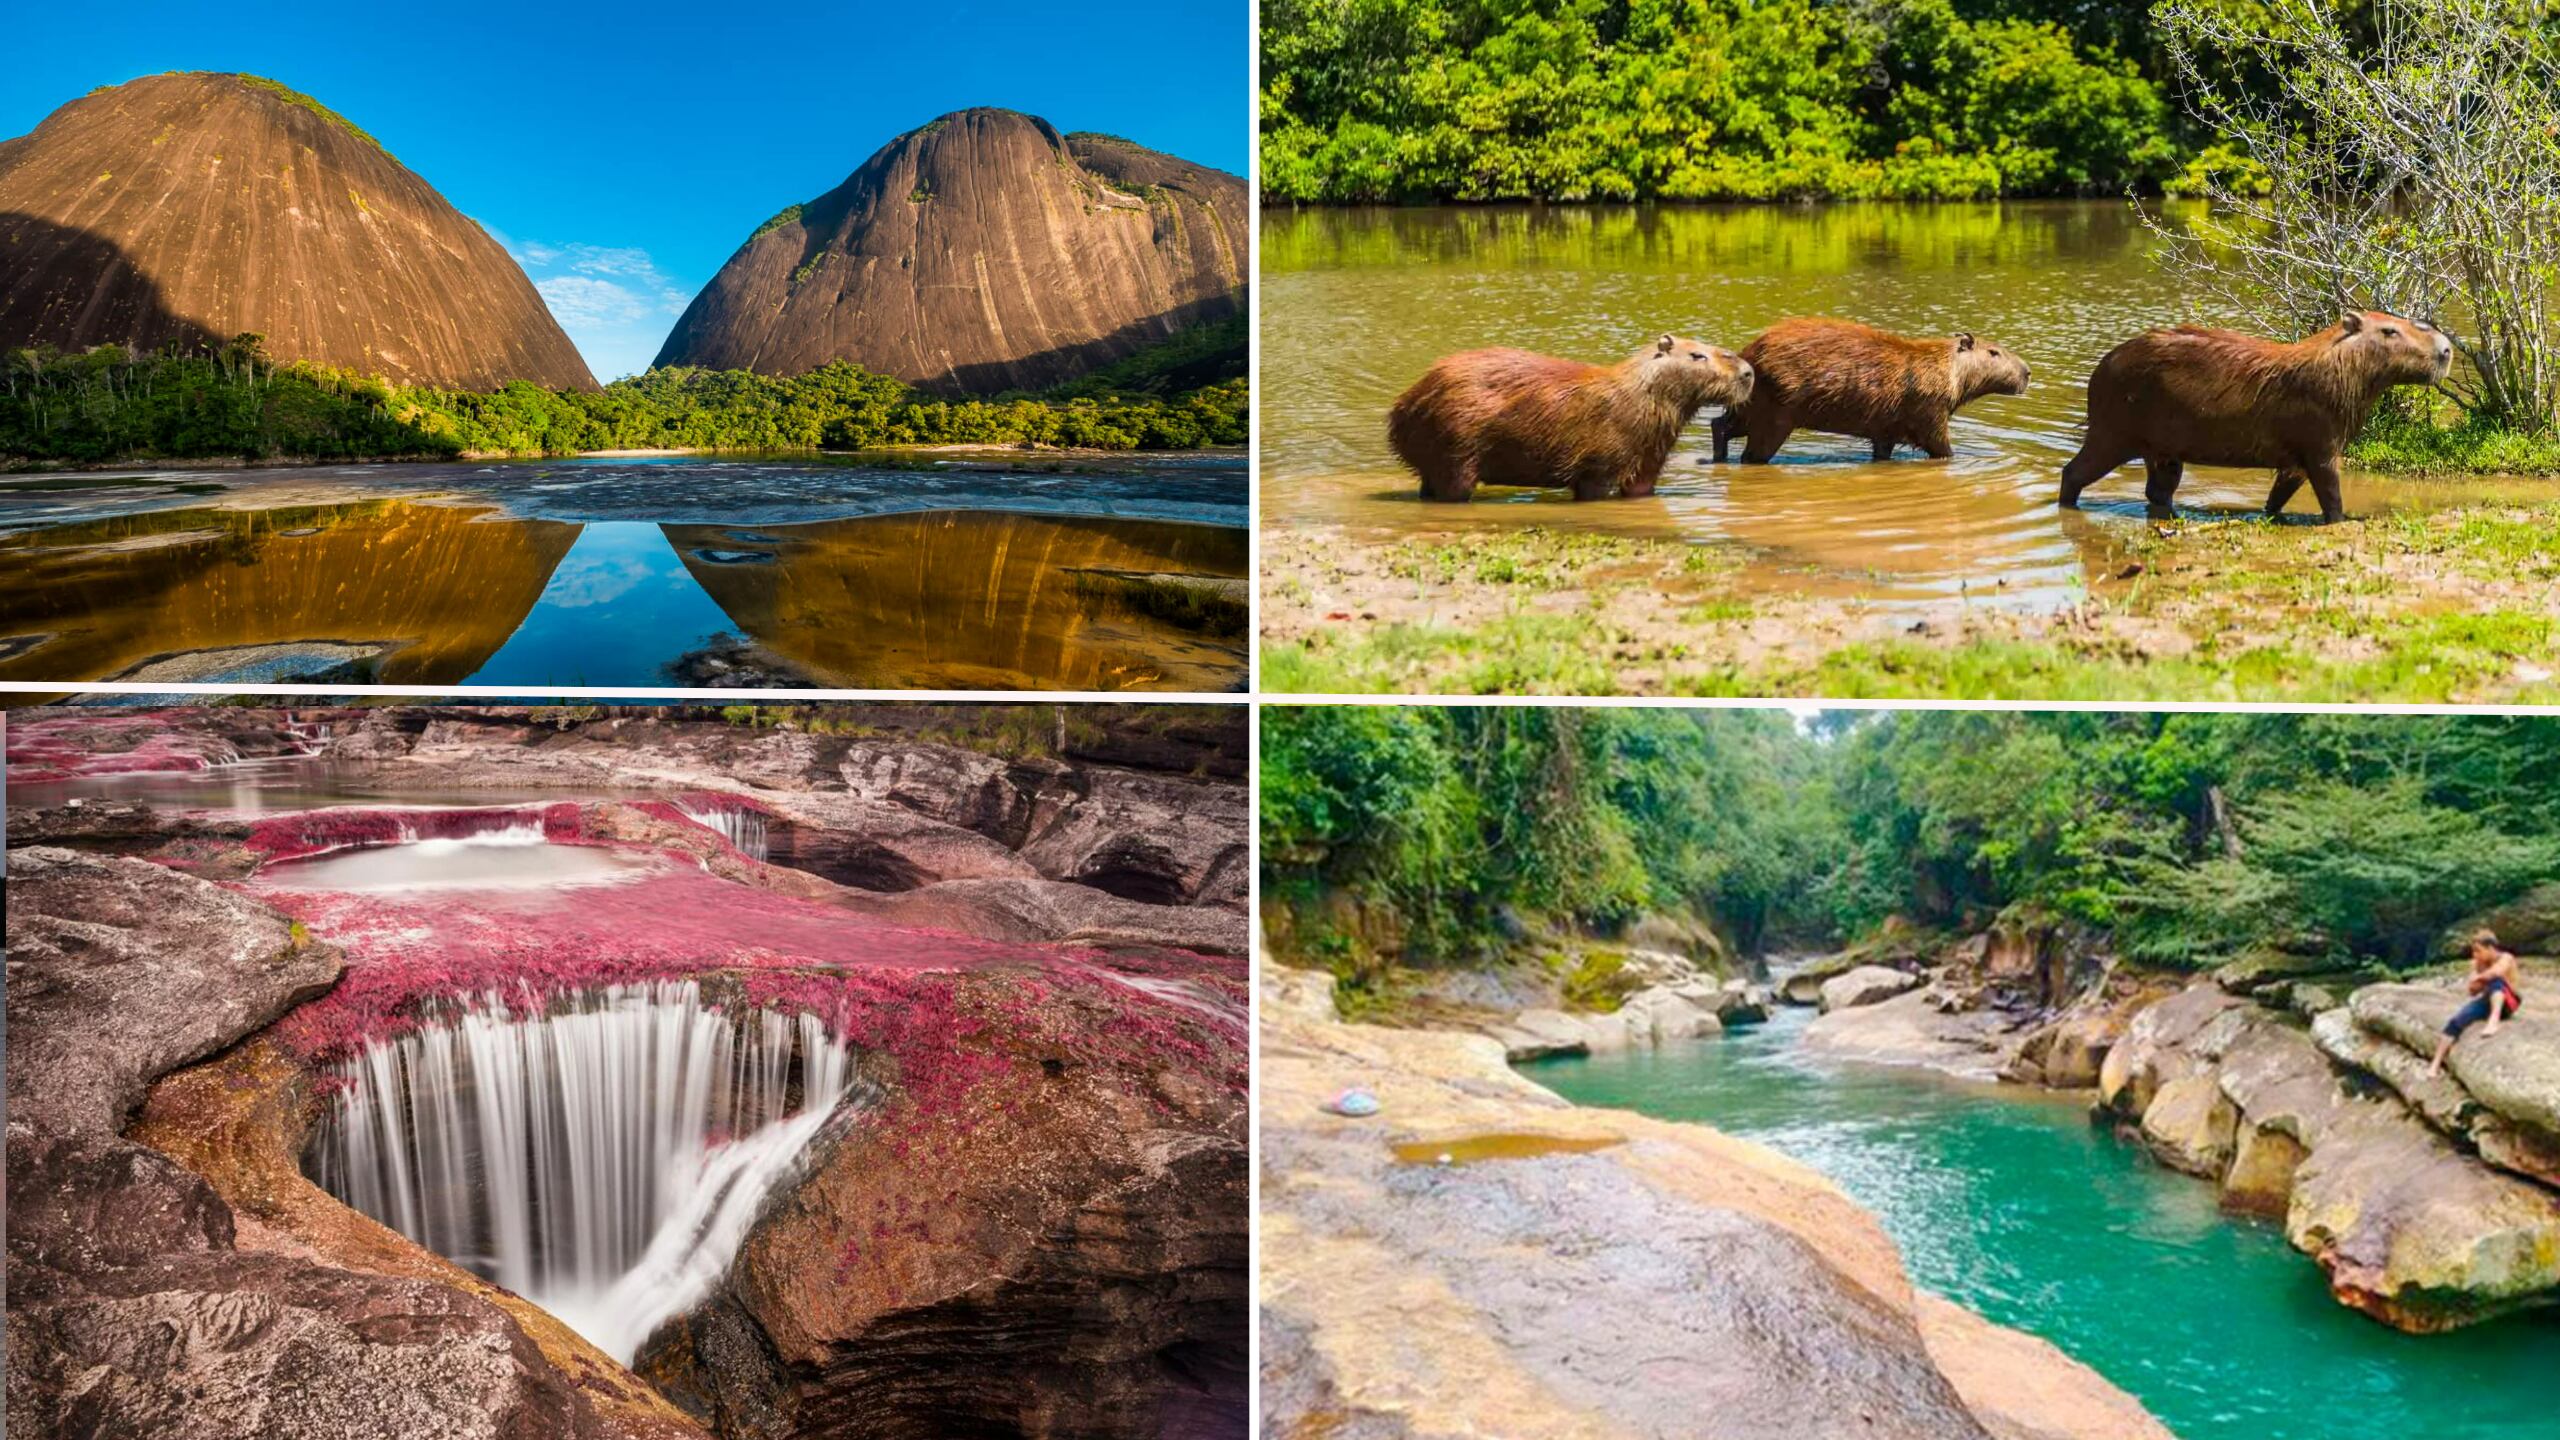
<point x="2190" y="396"/>
<point x="1510" y="417"/>
<point x="1844" y="378"/>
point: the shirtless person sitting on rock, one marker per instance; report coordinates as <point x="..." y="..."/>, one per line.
<point x="2493" y="995"/>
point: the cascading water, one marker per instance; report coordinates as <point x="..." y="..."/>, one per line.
<point x="604" y="1159"/>
<point x="503" y="828"/>
<point x="738" y="825"/>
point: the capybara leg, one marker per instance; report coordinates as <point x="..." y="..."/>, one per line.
<point x="2288" y="483"/>
<point x="1454" y="482"/>
<point x="1934" y="444"/>
<point x="1881" y="449"/>
<point x="1596" y="484"/>
<point x="2084" y="470"/>
<point x="2160" y="486"/>
<point x="1762" y="444"/>
<point x="1723" y="428"/>
<point x="2324" y="483"/>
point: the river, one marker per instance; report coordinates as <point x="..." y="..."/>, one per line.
<point x="977" y="572"/>
<point x="1357" y="303"/>
<point x="2011" y="1202"/>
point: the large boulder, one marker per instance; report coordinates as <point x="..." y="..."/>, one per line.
<point x="2414" y="1232"/>
<point x="2069" y="1053"/>
<point x="2180" y="1035"/>
<point x="1065" y="1208"/>
<point x="1667" y="1013"/>
<point x="874" y="845"/>
<point x="1864" y="985"/>
<point x="2508" y="1103"/>
<point x="2283" y="1096"/>
<point x="1151" y="838"/>
<point x="2190" y="1126"/>
<point x="2528" y="925"/>
<point x="121" y="971"/>
<point x="1541" y="1034"/>
<point x="1495" y="1291"/>
<point x="1912" y="1029"/>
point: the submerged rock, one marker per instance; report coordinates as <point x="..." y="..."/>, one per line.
<point x="1597" y="1274"/>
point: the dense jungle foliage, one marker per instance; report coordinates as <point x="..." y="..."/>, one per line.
<point x="1390" y="100"/>
<point x="2189" y="836"/>
<point x="108" y="404"/>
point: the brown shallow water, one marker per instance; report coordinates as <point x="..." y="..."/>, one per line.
<point x="1357" y="303"/>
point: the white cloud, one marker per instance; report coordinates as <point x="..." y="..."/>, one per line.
<point x="577" y="300"/>
<point x="613" y="300"/>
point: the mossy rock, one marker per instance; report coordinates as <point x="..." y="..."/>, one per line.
<point x="1599" y="981"/>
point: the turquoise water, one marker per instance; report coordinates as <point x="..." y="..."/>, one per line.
<point x="2012" y="1203"/>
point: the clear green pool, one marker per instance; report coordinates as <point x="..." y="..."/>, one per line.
<point x="2011" y="1202"/>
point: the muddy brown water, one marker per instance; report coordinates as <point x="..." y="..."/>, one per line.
<point x="1357" y="303"/>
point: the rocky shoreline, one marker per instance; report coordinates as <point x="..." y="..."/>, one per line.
<point x="1040" y="1226"/>
<point x="1483" y="1258"/>
<point x="2298" y="1089"/>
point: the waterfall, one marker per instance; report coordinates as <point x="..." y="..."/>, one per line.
<point x="603" y="1160"/>
<point x="739" y="825"/>
<point x="502" y="827"/>
<point x="1198" y="999"/>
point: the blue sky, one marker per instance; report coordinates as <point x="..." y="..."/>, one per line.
<point x="621" y="152"/>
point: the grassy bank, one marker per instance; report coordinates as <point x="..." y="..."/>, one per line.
<point x="2457" y="605"/>
<point x="2447" y="442"/>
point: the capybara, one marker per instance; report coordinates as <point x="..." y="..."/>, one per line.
<point x="1510" y="417"/>
<point x="1850" y="379"/>
<point x="2172" y="398"/>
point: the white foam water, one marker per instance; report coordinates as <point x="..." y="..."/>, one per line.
<point x="739" y="826"/>
<point x="604" y="1159"/>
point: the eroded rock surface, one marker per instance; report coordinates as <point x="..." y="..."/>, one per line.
<point x="1576" y="1272"/>
<point x="980" y="252"/>
<point x="183" y="209"/>
<point x="2420" y="1197"/>
<point x="1073" y="1223"/>
<point x="133" y="1307"/>
<point x="1040" y="1230"/>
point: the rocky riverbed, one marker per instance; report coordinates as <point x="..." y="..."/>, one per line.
<point x="1482" y="1258"/>
<point x="1037" y="1226"/>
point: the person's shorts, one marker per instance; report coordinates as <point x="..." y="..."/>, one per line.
<point x="2478" y="1010"/>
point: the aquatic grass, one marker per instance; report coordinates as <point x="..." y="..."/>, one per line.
<point x="1535" y="558"/>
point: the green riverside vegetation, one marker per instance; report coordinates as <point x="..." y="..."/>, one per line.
<point x="110" y="405"/>
<point x="2191" y="837"/>
<point x="1398" y="100"/>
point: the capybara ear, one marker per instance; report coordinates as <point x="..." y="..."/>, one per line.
<point x="1964" y="341"/>
<point x="1663" y="345"/>
<point x="2351" y="322"/>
